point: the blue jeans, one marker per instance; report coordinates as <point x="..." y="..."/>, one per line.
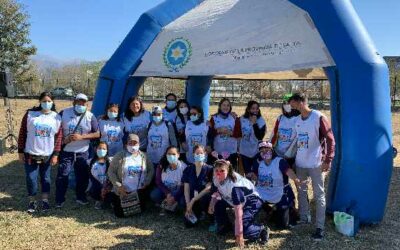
<point x="157" y="196"/>
<point x="32" y="171"/>
<point x="95" y="188"/>
<point x="78" y="161"/>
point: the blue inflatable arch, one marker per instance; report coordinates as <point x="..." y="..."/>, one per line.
<point x="360" y="97"/>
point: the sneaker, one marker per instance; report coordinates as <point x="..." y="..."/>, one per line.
<point x="45" y="206"/>
<point x="82" y="201"/>
<point x="264" y="236"/>
<point x="32" y="207"/>
<point x="59" y="204"/>
<point x="98" y="205"/>
<point x="318" y="235"/>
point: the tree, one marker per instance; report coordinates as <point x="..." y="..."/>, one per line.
<point x="15" y="45"/>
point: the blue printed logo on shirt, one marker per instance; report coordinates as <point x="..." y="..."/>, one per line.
<point x="42" y="130"/>
<point x="302" y="141"/>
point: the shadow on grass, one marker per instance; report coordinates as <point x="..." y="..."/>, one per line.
<point x="149" y="230"/>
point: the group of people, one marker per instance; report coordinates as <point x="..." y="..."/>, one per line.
<point x="175" y="158"/>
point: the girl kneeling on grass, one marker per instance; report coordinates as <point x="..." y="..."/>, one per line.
<point x="99" y="165"/>
<point x="169" y="190"/>
<point x="230" y="189"/>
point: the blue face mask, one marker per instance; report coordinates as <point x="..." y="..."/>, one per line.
<point x="200" y="158"/>
<point x="46" y="105"/>
<point x="157" y="119"/>
<point x="194" y="118"/>
<point x="80" y="109"/>
<point x="112" y="115"/>
<point x="101" y="152"/>
<point x="172" y="159"/>
<point x="171" y="104"/>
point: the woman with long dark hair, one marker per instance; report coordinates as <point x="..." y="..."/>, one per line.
<point x="253" y="129"/>
<point x="226" y="131"/>
<point x="39" y="144"/>
<point x="136" y="120"/>
<point x="112" y="129"/>
<point x="182" y="118"/>
<point x="197" y="132"/>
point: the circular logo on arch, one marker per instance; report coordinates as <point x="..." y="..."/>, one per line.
<point x="177" y="54"/>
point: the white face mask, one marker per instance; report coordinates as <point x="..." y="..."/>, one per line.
<point x="133" y="149"/>
<point x="287" y="108"/>
<point x="184" y="110"/>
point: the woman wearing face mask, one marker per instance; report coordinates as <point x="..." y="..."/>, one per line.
<point x="136" y="120"/>
<point x="39" y="143"/>
<point x="160" y="135"/>
<point x="230" y="189"/>
<point x="253" y="128"/>
<point x="271" y="175"/>
<point x="112" y="130"/>
<point x="226" y="131"/>
<point x="284" y="134"/>
<point x="169" y="173"/>
<point x="180" y="123"/>
<point x="196" y="133"/>
<point x="195" y="179"/>
<point x="130" y="171"/>
<point x="170" y="110"/>
<point x="98" y="175"/>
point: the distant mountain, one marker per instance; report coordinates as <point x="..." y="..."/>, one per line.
<point x="45" y="62"/>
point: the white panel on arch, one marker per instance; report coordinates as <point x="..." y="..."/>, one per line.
<point x="225" y="37"/>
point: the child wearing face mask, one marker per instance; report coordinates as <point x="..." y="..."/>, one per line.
<point x="169" y="189"/>
<point x="98" y="175"/>
<point x="283" y="134"/>
<point x="160" y="135"/>
<point x="130" y="171"/>
<point x="111" y="129"/>
<point x="271" y="175"/>
<point x="170" y="110"/>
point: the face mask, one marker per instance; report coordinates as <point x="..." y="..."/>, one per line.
<point x="80" y="109"/>
<point x="112" y="115"/>
<point x="157" y="119"/>
<point x="184" y="110"/>
<point x="194" y="118"/>
<point x="46" y="105"/>
<point x="101" y="152"/>
<point x="171" y="104"/>
<point x="200" y="158"/>
<point x="132" y="149"/>
<point x="287" y="108"/>
<point x="172" y="159"/>
<point x="267" y="155"/>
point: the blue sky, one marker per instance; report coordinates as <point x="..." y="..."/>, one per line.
<point x="93" y="29"/>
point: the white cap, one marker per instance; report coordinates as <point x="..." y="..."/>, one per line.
<point x="157" y="110"/>
<point x="81" y="96"/>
